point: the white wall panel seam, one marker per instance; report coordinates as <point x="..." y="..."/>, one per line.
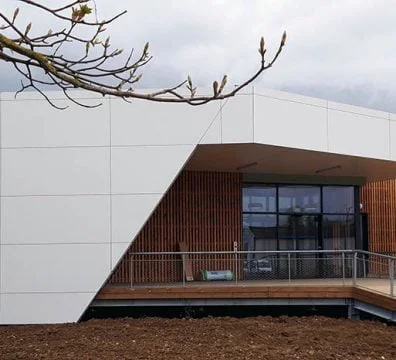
<point x="253" y="114"/>
<point x="139" y="193"/>
<point x="110" y="187"/>
<point x="55" y="147"/>
<point x="328" y="127"/>
<point x="1" y="181"/>
<point x="46" y="292"/>
<point x="223" y="104"/>
<point x="56" y="195"/>
<point x="91" y="146"/>
<point x="80" y="195"/>
<point x="129" y="241"/>
<point x="210" y="124"/>
<point x="359" y="113"/>
<point x="291" y="101"/>
<point x="327" y="106"/>
<point x="51" y="98"/>
<point x="390" y="137"/>
<point x="221" y="119"/>
<point x="53" y="244"/>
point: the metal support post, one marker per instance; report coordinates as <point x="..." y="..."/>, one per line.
<point x="343" y="268"/>
<point x="353" y="313"/>
<point x="354" y="268"/>
<point x="131" y="269"/>
<point x="289" y="266"/>
<point x="236" y="266"/>
<point x="392" y="276"/>
<point x="184" y="269"/>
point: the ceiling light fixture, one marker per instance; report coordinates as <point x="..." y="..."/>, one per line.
<point x="328" y="169"/>
<point x="243" y="167"/>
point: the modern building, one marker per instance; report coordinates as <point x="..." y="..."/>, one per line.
<point x="84" y="192"/>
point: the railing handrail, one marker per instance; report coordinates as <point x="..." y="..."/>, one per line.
<point x="356" y="265"/>
<point x="376" y="254"/>
<point x="271" y="252"/>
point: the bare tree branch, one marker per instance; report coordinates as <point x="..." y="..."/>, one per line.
<point x="92" y="68"/>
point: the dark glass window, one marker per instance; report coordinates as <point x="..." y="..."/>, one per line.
<point x="259" y="199"/>
<point x="299" y="199"/>
<point x="297" y="217"/>
<point x="259" y="232"/>
<point x="338" y="199"/>
<point x="298" y="232"/>
<point x="338" y="232"/>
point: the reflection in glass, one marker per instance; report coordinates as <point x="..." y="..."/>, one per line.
<point x="259" y="199"/>
<point x="338" y="199"/>
<point x="259" y="234"/>
<point x="338" y="232"/>
<point x="299" y="199"/>
<point x="298" y="232"/>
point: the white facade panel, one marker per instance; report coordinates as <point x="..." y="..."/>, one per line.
<point x="359" y="135"/>
<point x="55" y="171"/>
<point x="358" y="110"/>
<point x="129" y="213"/>
<point x="147" y="123"/>
<point x="55" y="219"/>
<point x="58" y="97"/>
<point x="117" y="252"/>
<point x="213" y="134"/>
<point x="237" y="119"/>
<point x="146" y="169"/>
<point x="393" y="140"/>
<point x="290" y="124"/>
<point x="54" y="268"/>
<point x="34" y="123"/>
<point x="290" y="97"/>
<point x="43" y="308"/>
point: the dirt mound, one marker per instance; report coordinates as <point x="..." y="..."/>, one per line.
<point x="207" y="338"/>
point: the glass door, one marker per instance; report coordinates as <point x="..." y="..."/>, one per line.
<point x="299" y="232"/>
<point x="259" y="234"/>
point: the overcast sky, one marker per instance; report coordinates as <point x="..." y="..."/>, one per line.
<point x="343" y="50"/>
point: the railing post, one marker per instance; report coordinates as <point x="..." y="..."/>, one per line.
<point x="391" y="276"/>
<point x="236" y="265"/>
<point x="289" y="267"/>
<point x="184" y="269"/>
<point x="131" y="269"/>
<point x="343" y="268"/>
<point x="354" y="268"/>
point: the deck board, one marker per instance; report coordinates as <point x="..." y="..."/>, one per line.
<point x="372" y="291"/>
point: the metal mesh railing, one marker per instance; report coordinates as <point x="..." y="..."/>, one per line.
<point x="376" y="271"/>
<point x="348" y="267"/>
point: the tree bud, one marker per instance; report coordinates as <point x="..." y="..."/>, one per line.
<point x="283" y="41"/>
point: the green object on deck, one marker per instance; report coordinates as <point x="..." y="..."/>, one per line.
<point x="226" y="275"/>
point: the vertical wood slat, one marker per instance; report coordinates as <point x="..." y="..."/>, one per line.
<point x="202" y="209"/>
<point x="379" y="202"/>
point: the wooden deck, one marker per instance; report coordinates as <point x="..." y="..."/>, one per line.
<point x="372" y="291"/>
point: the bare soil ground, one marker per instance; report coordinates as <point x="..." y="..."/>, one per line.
<point x="207" y="338"/>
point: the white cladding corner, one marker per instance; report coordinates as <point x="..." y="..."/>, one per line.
<point x="78" y="185"/>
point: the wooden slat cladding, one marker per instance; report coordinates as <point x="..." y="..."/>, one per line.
<point x="201" y="209"/>
<point x="379" y="202"/>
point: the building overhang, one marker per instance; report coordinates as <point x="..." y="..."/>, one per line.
<point x="260" y="162"/>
